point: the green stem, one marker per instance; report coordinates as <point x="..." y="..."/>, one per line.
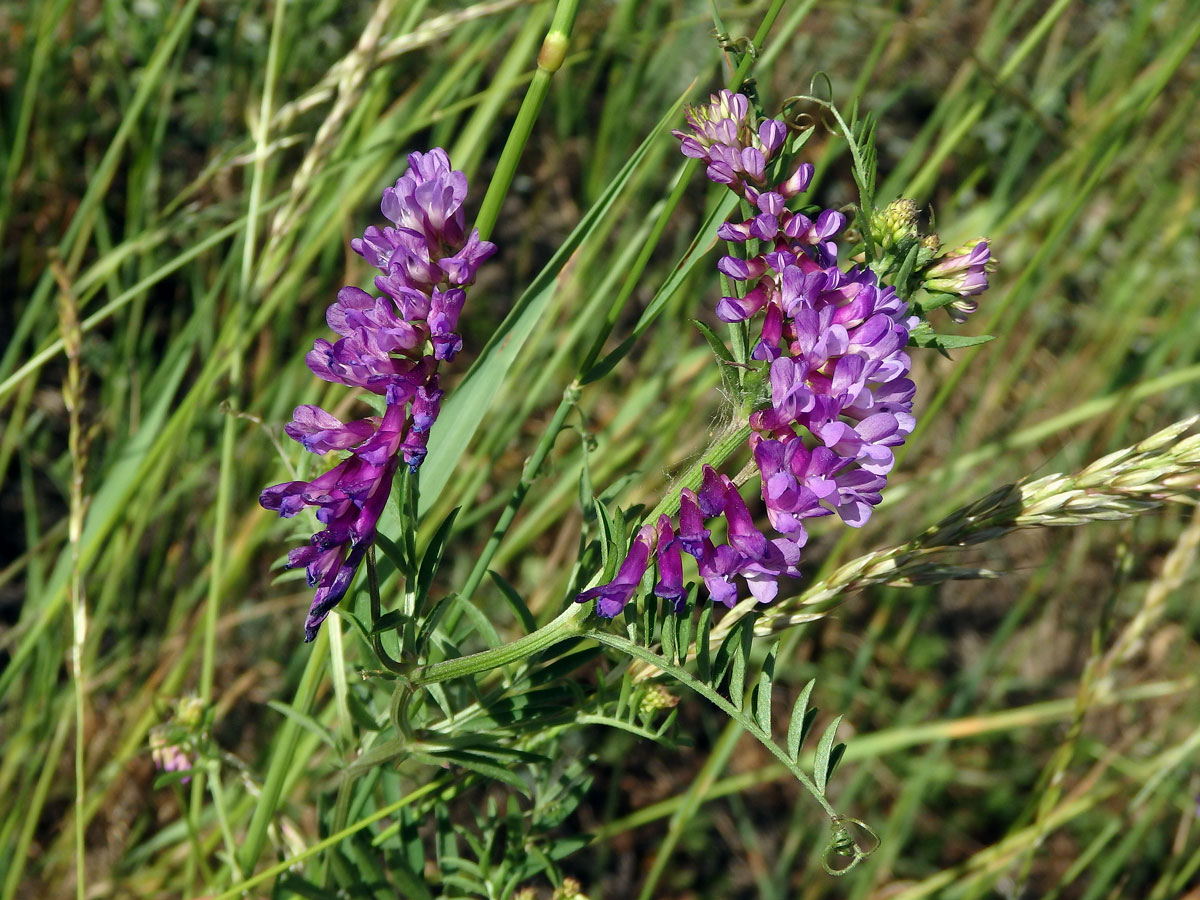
<point x="334" y="839"/>
<point x="719" y="451"/>
<point x="218" y="794"/>
<point x="760" y="36"/>
<point x="568" y="624"/>
<point x="528" y="474"/>
<point x="762" y="735"/>
<point x="281" y="760"/>
<point x="385" y="658"/>
<point x="550" y="59"/>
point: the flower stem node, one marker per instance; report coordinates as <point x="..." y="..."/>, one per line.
<point x="553" y="51"/>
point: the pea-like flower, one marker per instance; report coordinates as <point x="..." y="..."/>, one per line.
<point x="389" y="345"/>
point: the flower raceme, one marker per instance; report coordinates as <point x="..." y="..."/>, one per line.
<point x="834" y="343"/>
<point x="390" y="345"/>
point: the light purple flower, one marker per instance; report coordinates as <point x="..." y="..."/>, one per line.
<point x="320" y="432"/>
<point x="723" y="134"/>
<point x="169" y="756"/>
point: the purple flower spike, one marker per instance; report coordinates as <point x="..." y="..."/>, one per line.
<point x="391" y="346"/>
<point x="611" y="598"/>
<point x="840" y="398"/>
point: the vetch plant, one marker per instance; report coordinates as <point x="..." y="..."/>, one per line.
<point x="822" y="309"/>
<point x="576" y="588"/>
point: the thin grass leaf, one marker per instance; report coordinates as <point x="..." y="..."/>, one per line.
<point x="517" y="603"/>
<point x="308" y="723"/>
<point x="433" y="557"/>
<point x="467" y="405"/>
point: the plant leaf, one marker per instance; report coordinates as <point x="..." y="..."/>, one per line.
<point x="800" y="722"/>
<point x="824" y="762"/>
<point x="433" y="557"/>
<point x="306" y="722"/>
<point x="515" y="601"/>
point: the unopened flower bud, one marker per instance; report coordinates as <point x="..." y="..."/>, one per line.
<point x="657" y="697"/>
<point x="896" y="221"/>
<point x="570" y="890"/>
<point x="962" y="271"/>
<point x="189" y="711"/>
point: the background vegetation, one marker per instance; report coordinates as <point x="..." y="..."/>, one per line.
<point x="183" y="178"/>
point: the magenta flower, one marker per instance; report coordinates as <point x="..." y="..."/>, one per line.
<point x="611" y="598"/>
<point x="670" y="564"/>
<point x="391" y="346"/>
